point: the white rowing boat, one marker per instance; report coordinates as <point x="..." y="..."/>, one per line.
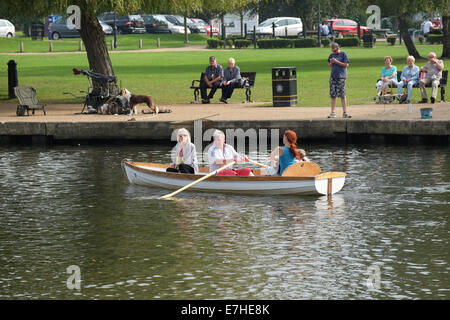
<point x="292" y="181"/>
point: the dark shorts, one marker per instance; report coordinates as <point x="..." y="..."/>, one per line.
<point x="337" y="88"/>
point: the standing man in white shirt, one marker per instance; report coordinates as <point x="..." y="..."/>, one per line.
<point x="427" y="27"/>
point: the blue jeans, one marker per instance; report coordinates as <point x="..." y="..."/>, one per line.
<point x="401" y="84"/>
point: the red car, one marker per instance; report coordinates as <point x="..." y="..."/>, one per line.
<point x="345" y="26"/>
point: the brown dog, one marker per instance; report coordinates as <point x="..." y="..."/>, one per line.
<point x="136" y="99"/>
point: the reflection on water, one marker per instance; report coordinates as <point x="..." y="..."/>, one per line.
<point x="73" y="206"/>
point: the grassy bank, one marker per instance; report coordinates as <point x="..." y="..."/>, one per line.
<point x="167" y="75"/>
<point x="125" y="42"/>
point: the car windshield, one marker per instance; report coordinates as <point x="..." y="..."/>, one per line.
<point x="200" y="22"/>
<point x="267" y="23"/>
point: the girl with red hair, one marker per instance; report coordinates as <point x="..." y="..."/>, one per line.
<point x="287" y="154"/>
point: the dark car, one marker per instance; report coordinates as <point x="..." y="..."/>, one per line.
<point x="58" y="29"/>
<point x="132" y="23"/>
<point x="155" y="25"/>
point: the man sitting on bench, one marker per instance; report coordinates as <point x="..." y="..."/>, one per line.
<point x="232" y="75"/>
<point x="433" y="74"/>
<point x="212" y="79"/>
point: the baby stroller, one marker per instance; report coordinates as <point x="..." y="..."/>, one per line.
<point x="96" y="96"/>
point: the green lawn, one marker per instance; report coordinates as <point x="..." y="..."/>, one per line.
<point x="167" y="75"/>
<point x="125" y="42"/>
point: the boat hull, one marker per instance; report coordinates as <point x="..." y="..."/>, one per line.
<point x="148" y="175"/>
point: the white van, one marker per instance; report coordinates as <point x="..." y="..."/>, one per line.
<point x="7" y="29"/>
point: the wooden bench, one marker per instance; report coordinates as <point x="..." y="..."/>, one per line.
<point x="249" y="83"/>
<point x="442" y="84"/>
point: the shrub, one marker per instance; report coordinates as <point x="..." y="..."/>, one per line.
<point x="434" y="38"/>
<point x="304" y="43"/>
<point x="241" y="43"/>
<point x="273" y="43"/>
<point x="229" y="43"/>
<point x="421" y="39"/>
<point x="391" y="39"/>
<point x="325" y="42"/>
<point x="348" y="41"/>
<point x="214" y="43"/>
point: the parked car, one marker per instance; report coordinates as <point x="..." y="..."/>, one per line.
<point x="7" y="29"/>
<point x="173" y="28"/>
<point x="215" y="30"/>
<point x="345" y="26"/>
<point x="179" y="20"/>
<point x="294" y="27"/>
<point x="125" y="24"/>
<point x="58" y="29"/>
<point x="154" y="24"/>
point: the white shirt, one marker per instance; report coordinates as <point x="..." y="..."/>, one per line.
<point x="325" y="30"/>
<point x="427" y="27"/>
<point x="215" y="153"/>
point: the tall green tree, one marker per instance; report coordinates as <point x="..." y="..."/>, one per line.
<point x="405" y="9"/>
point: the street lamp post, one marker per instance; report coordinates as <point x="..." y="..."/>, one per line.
<point x="115" y="31"/>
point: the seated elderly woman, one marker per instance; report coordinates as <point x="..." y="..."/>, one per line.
<point x="388" y="76"/>
<point x="410" y="77"/>
<point x="184" y="155"/>
<point x="220" y="153"/>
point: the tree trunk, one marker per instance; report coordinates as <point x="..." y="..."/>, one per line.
<point x="186" y="37"/>
<point x="403" y="26"/>
<point x="97" y="53"/>
<point x="446" y="36"/>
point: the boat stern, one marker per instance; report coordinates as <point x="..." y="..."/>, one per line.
<point x="330" y="182"/>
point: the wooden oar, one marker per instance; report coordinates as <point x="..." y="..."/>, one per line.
<point x="257" y="163"/>
<point x="197" y="181"/>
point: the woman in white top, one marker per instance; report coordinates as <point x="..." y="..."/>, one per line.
<point x="184" y="155"/>
<point x="221" y="153"/>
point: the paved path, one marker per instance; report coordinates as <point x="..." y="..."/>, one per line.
<point x="229" y="112"/>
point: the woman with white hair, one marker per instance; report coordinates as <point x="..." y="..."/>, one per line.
<point x="410" y="77"/>
<point x="220" y="154"/>
<point x="231" y="76"/>
<point x="184" y="155"/>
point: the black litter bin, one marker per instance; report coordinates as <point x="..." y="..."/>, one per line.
<point x="284" y="86"/>
<point x="37" y="31"/>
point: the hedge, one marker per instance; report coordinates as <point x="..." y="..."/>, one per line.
<point x="273" y="43"/>
<point x="214" y="43"/>
<point x="348" y="41"/>
<point x="434" y="38"/>
<point x="391" y="39"/>
<point x="325" y="42"/>
<point x="241" y="43"/>
<point x="304" y="43"/>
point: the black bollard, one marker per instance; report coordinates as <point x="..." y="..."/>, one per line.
<point x="12" y="78"/>
<point x="254" y="37"/>
<point x="245" y="30"/>
<point x="273" y="29"/>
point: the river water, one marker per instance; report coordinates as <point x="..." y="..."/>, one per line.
<point x="385" y="235"/>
